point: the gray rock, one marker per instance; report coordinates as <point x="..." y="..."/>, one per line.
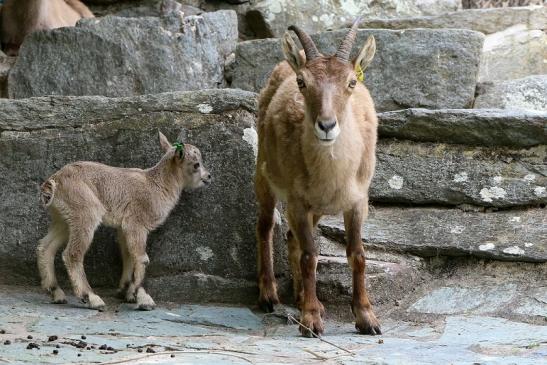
<point x="486" y="21"/>
<point x="115" y="56"/>
<point x="415" y="68"/>
<point x="469" y="127"/>
<point x="270" y="18"/>
<point x="513" y="53"/>
<point x="517" y="235"/>
<point x="529" y="93"/>
<point x="427" y="173"/>
<point x="209" y="234"/>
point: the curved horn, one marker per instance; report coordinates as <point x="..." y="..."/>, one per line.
<point x="309" y="47"/>
<point x="344" y="49"/>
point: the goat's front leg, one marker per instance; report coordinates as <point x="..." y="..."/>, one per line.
<point x="312" y="311"/>
<point x="264" y="237"/>
<point x="136" y="246"/>
<point x="365" y="320"/>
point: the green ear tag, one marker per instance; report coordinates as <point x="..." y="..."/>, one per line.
<point x="179" y="148"/>
<point x="359" y="72"/>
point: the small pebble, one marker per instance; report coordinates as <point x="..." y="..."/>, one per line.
<point x="88" y="348"/>
<point x="7" y="342"/>
<point x="103" y="347"/>
<point x="172" y="355"/>
<point x="52" y="338"/>
<point x="150" y="350"/>
<point x="29" y="337"/>
<point x="380" y="341"/>
<point x="93" y="347"/>
<point x="56" y="317"/>
<point x="79" y="355"/>
<point x="57" y="346"/>
<point x="2" y="332"/>
<point x="110" y="348"/>
<point x="32" y="345"/>
<point x="83" y="337"/>
<point x="139" y="350"/>
<point x="55" y="352"/>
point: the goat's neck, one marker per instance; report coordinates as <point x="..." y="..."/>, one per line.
<point x="168" y="182"/>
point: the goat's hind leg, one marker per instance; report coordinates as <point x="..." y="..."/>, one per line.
<point x="136" y="246"/>
<point x="48" y="246"/>
<point x="80" y="236"/>
<point x="264" y="237"/>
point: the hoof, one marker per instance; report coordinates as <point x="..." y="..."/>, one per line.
<point x="59" y="301"/>
<point x="146" y="307"/>
<point x="366" y="322"/>
<point x="311" y="321"/>
<point x="95" y="302"/>
<point x="268" y="299"/>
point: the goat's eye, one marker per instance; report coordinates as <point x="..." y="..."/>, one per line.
<point x="196" y="165"/>
<point x="300" y="82"/>
<point x="352" y="83"/>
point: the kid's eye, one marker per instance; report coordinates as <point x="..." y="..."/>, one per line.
<point x="300" y="82"/>
<point x="352" y="83"/>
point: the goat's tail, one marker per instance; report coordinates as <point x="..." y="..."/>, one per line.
<point x="47" y="192"/>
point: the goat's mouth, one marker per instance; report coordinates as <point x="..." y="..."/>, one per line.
<point x="327" y="141"/>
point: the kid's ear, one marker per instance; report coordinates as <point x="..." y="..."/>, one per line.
<point x="164" y="142"/>
<point x="291" y="53"/>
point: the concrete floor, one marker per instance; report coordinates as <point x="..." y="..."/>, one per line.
<point x="431" y="332"/>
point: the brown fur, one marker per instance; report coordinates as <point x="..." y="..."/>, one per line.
<point x="315" y="178"/>
<point x="83" y="195"/>
<point x="22" y="17"/>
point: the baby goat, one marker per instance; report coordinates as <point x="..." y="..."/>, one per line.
<point x="82" y="195"/>
<point x="19" y="18"/>
<point x="316" y="151"/>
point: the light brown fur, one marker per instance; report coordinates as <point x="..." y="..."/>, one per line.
<point x="83" y="195"/>
<point x="315" y="178"/>
<point x="22" y="17"/>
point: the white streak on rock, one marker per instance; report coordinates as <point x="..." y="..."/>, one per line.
<point x="487" y="247"/>
<point x="251" y="137"/>
<point x="396" y="182"/>
<point x="205" y="108"/>
<point x="530" y="177"/>
<point x="205" y="253"/>
<point x="457" y="229"/>
<point x="513" y="250"/>
<point x="528" y="244"/>
<point x="515" y="219"/>
<point x="540" y="191"/>
<point x="498" y="179"/>
<point x="495" y="192"/>
<point x="461" y="177"/>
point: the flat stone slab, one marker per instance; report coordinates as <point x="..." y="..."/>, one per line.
<point x="451" y="339"/>
<point x="116" y="56"/>
<point x="414" y="68"/>
<point x="505" y="235"/>
<point x="448" y="174"/>
<point x="483" y="127"/>
<point x="486" y="21"/>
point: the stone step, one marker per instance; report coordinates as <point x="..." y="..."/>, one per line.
<point x="415" y="68"/>
<point x="517" y="235"/>
<point x="466" y="126"/>
<point x="528" y="93"/>
<point x="428" y="173"/>
<point x="116" y="56"/>
<point x="486" y="21"/>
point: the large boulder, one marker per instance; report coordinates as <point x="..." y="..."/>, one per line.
<point x="445" y="174"/>
<point x="209" y="237"/>
<point x="115" y="56"/>
<point x="514" y="53"/>
<point x="529" y="93"/>
<point x="509" y="235"/>
<point x="470" y="127"/>
<point x="486" y="21"/>
<point x="414" y="68"/>
<point x="270" y="18"/>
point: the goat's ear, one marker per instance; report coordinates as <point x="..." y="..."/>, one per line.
<point x="367" y="54"/>
<point x="290" y="50"/>
<point x="164" y="142"/>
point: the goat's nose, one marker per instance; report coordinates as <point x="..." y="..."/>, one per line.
<point x="326" y="125"/>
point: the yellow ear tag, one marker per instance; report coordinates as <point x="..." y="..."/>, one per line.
<point x="359" y="72"/>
